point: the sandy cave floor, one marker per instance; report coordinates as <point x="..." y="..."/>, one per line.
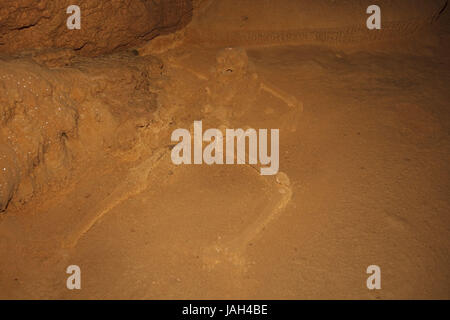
<point x="368" y="181"/>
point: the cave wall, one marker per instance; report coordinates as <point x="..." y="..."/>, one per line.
<point x="55" y="118"/>
<point x="340" y="22"/>
<point x="106" y="25"/>
<point x="65" y="94"/>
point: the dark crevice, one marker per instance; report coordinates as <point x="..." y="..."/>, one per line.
<point x="439" y="14"/>
<point x="26" y="27"/>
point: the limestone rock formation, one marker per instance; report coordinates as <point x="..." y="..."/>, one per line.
<point x="50" y="117"/>
<point x="105" y="25"/>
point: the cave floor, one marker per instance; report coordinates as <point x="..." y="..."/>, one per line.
<point x="367" y="164"/>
